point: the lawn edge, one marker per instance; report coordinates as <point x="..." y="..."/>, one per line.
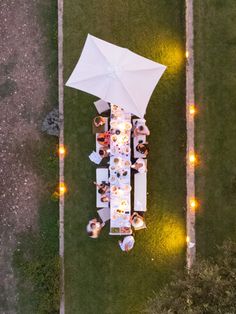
<point x="190" y="168"/>
<point x="60" y="6"/>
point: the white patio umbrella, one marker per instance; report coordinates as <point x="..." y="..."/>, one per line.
<point x="116" y="75"/>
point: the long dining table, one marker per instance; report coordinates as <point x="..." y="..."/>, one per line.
<point x="120" y="171"/>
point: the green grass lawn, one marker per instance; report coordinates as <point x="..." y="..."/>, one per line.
<point x="99" y="278"/>
<point x="215" y="50"/>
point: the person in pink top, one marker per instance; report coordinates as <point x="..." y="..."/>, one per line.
<point x="141" y="129"/>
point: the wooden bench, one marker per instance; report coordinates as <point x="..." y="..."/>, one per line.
<point x="140" y="192"/>
<point x="101" y="176"/>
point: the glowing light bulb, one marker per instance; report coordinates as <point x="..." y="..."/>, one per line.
<point x="62" y="150"/>
<point x="193" y="203"/>
<point x="192" y="158"/>
<point x="187" y="54"/>
<point x="187" y="239"/>
<point x="192" y="109"/>
<point x="62" y="188"/>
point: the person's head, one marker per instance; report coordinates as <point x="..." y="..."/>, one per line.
<point x="101" y="190"/>
<point x="101" y="139"/>
<point x="99" y="120"/>
<point x="137" y="221"/>
<point x="93" y="225"/>
<point x="101" y="152"/>
<point x="143" y="148"/>
<point x="104" y="199"/>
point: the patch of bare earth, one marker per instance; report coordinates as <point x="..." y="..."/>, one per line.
<point x="24" y="90"/>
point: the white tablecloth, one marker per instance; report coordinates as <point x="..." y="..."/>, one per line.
<point x="119" y="172"/>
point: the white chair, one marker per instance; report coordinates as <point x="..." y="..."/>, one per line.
<point x="101" y="106"/>
<point x="140" y="228"/>
<point x="95" y="157"/>
<point x="104" y="214"/>
<point x="140" y="192"/>
<point x="101" y="176"/>
<point x="137" y="139"/>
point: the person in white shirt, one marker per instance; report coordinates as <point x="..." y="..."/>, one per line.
<point x="94" y="228"/>
<point x="141" y="129"/>
<point x="127" y="244"/>
<point x="139" y="166"/>
<point x="137" y="221"/>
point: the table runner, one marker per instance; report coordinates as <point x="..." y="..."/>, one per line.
<point x="120" y="171"/>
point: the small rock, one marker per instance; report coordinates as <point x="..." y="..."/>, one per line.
<point x="51" y="124"/>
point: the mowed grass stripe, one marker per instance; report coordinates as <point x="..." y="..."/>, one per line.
<point x="215" y="49"/>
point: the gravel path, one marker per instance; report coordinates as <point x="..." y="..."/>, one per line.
<point x="190" y="169"/>
<point x="24" y="90"/>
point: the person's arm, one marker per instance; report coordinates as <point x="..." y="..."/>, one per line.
<point x="147" y="131"/>
<point x="97" y="185"/>
<point x="132" y="216"/>
<point x="138" y="165"/>
<point x="134" y="213"/>
<point x="126" y="247"/>
<point x="135" y="131"/>
<point x="134" y="166"/>
<point x="139" y="216"/>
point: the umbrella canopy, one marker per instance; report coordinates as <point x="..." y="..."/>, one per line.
<point x="116" y="75"/>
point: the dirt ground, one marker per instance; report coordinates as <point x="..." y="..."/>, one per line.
<point x="24" y="89"/>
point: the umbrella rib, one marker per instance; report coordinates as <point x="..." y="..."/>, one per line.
<point x="89" y="78"/>
<point x="128" y="94"/>
<point x="100" y="51"/>
<point x="138" y="70"/>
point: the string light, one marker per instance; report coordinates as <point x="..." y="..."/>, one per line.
<point x="187" y="54"/>
<point x="187" y="239"/>
<point x="193" y="203"/>
<point x="192" y="109"/>
<point x="192" y="158"/>
<point x="62" y="150"/>
<point x="62" y="188"/>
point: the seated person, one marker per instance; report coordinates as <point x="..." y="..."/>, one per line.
<point x="141" y="129"/>
<point x="104" y="151"/>
<point x="139" y="166"/>
<point x="143" y="149"/>
<point x="94" y="228"/>
<point x="104" y="138"/>
<point x="137" y="221"/>
<point x="103" y="187"/>
<point x="105" y="198"/>
<point x="127" y="244"/>
<point x="99" y="121"/>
